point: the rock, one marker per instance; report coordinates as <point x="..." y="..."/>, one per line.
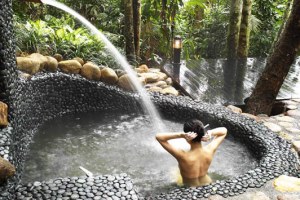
<point x="40" y="58"/>
<point x="109" y="76"/>
<point x="161" y="76"/>
<point x="234" y="109"/>
<point x="142" y="69"/>
<point x="80" y="60"/>
<point x="288" y="197"/>
<point x="7" y="170"/>
<point x="155" y="89"/>
<point x="91" y="71"/>
<point x="285" y="119"/>
<point x="285" y="124"/>
<point x="3" y="114"/>
<point x="285" y="135"/>
<point x="150" y="77"/>
<point x="24" y="75"/>
<point x="296" y="146"/>
<point x="291" y="107"/>
<point x="293" y="130"/>
<point x="249" y="116"/>
<point x="273" y="127"/>
<point x="296" y="100"/>
<point x="58" y="57"/>
<point x="125" y="82"/>
<point x="120" y="72"/>
<point x="154" y="70"/>
<point x="169" y="81"/>
<point x="161" y="84"/>
<point x="287" y="184"/>
<point x="51" y="64"/>
<point x="259" y="196"/>
<point x="170" y="90"/>
<point x="293" y="113"/>
<point x="216" y="197"/>
<point x="28" y="65"/>
<point x="70" y="66"/>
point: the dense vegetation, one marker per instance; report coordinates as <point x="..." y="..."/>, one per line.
<point x="203" y="25"/>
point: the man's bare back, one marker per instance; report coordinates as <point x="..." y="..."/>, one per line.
<point x="194" y="164"/>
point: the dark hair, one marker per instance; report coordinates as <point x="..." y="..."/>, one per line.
<point x="196" y="126"/>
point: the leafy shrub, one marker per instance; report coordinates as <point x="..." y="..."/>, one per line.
<point x="60" y="36"/>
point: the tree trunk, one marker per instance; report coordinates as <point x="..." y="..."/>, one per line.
<point x="278" y="65"/>
<point x="234" y="28"/>
<point x="137" y="26"/>
<point x="128" y="30"/>
<point x="244" y="35"/>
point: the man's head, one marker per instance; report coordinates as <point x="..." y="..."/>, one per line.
<point x="196" y="126"/>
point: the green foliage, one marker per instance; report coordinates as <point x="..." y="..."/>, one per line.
<point x="208" y="40"/>
<point x="203" y="25"/>
<point x="60" y="36"/>
<point x="271" y="16"/>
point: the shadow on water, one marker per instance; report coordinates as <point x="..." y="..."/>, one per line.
<point x="219" y="81"/>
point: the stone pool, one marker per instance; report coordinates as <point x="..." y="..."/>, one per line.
<point x="110" y="143"/>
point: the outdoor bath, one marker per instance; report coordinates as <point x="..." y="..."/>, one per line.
<point x="61" y="121"/>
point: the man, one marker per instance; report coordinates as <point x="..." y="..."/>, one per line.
<point x="194" y="164"/>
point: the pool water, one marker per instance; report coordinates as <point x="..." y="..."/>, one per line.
<point x="109" y="143"/>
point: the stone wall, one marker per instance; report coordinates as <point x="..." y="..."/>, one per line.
<point x="46" y="96"/>
<point x="7" y="51"/>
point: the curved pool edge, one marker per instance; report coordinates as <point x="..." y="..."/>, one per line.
<point x="50" y="95"/>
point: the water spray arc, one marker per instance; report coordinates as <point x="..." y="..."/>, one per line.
<point x="146" y="101"/>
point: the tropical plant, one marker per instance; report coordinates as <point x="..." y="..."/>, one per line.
<point x="61" y="36"/>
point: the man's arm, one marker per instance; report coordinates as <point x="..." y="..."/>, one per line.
<point x="163" y="138"/>
<point x="218" y="135"/>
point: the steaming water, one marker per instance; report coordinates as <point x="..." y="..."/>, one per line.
<point x="146" y="101"/>
<point x="108" y="143"/>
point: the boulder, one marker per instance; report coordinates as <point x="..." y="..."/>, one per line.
<point x="125" y="82"/>
<point x="70" y="66"/>
<point x="154" y="70"/>
<point x="28" y="65"/>
<point x="155" y="89"/>
<point x="296" y="146"/>
<point x="58" y="57"/>
<point x="234" y="109"/>
<point x="24" y="75"/>
<point x="7" y="170"/>
<point x="40" y="58"/>
<point x="142" y="69"/>
<point x="3" y="114"/>
<point x="295" y="113"/>
<point x="80" y="60"/>
<point x="109" y="76"/>
<point x="287" y="184"/>
<point x="170" y="90"/>
<point x="288" y="197"/>
<point x="169" y="81"/>
<point x="273" y="127"/>
<point x="91" y="71"/>
<point x="259" y="196"/>
<point x="51" y="64"/>
<point x="120" y="72"/>
<point x="161" y="76"/>
<point x="150" y="77"/>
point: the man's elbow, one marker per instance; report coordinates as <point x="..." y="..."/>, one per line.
<point x="224" y="131"/>
<point x="158" y="137"/>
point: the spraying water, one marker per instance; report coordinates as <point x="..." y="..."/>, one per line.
<point x="147" y="103"/>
